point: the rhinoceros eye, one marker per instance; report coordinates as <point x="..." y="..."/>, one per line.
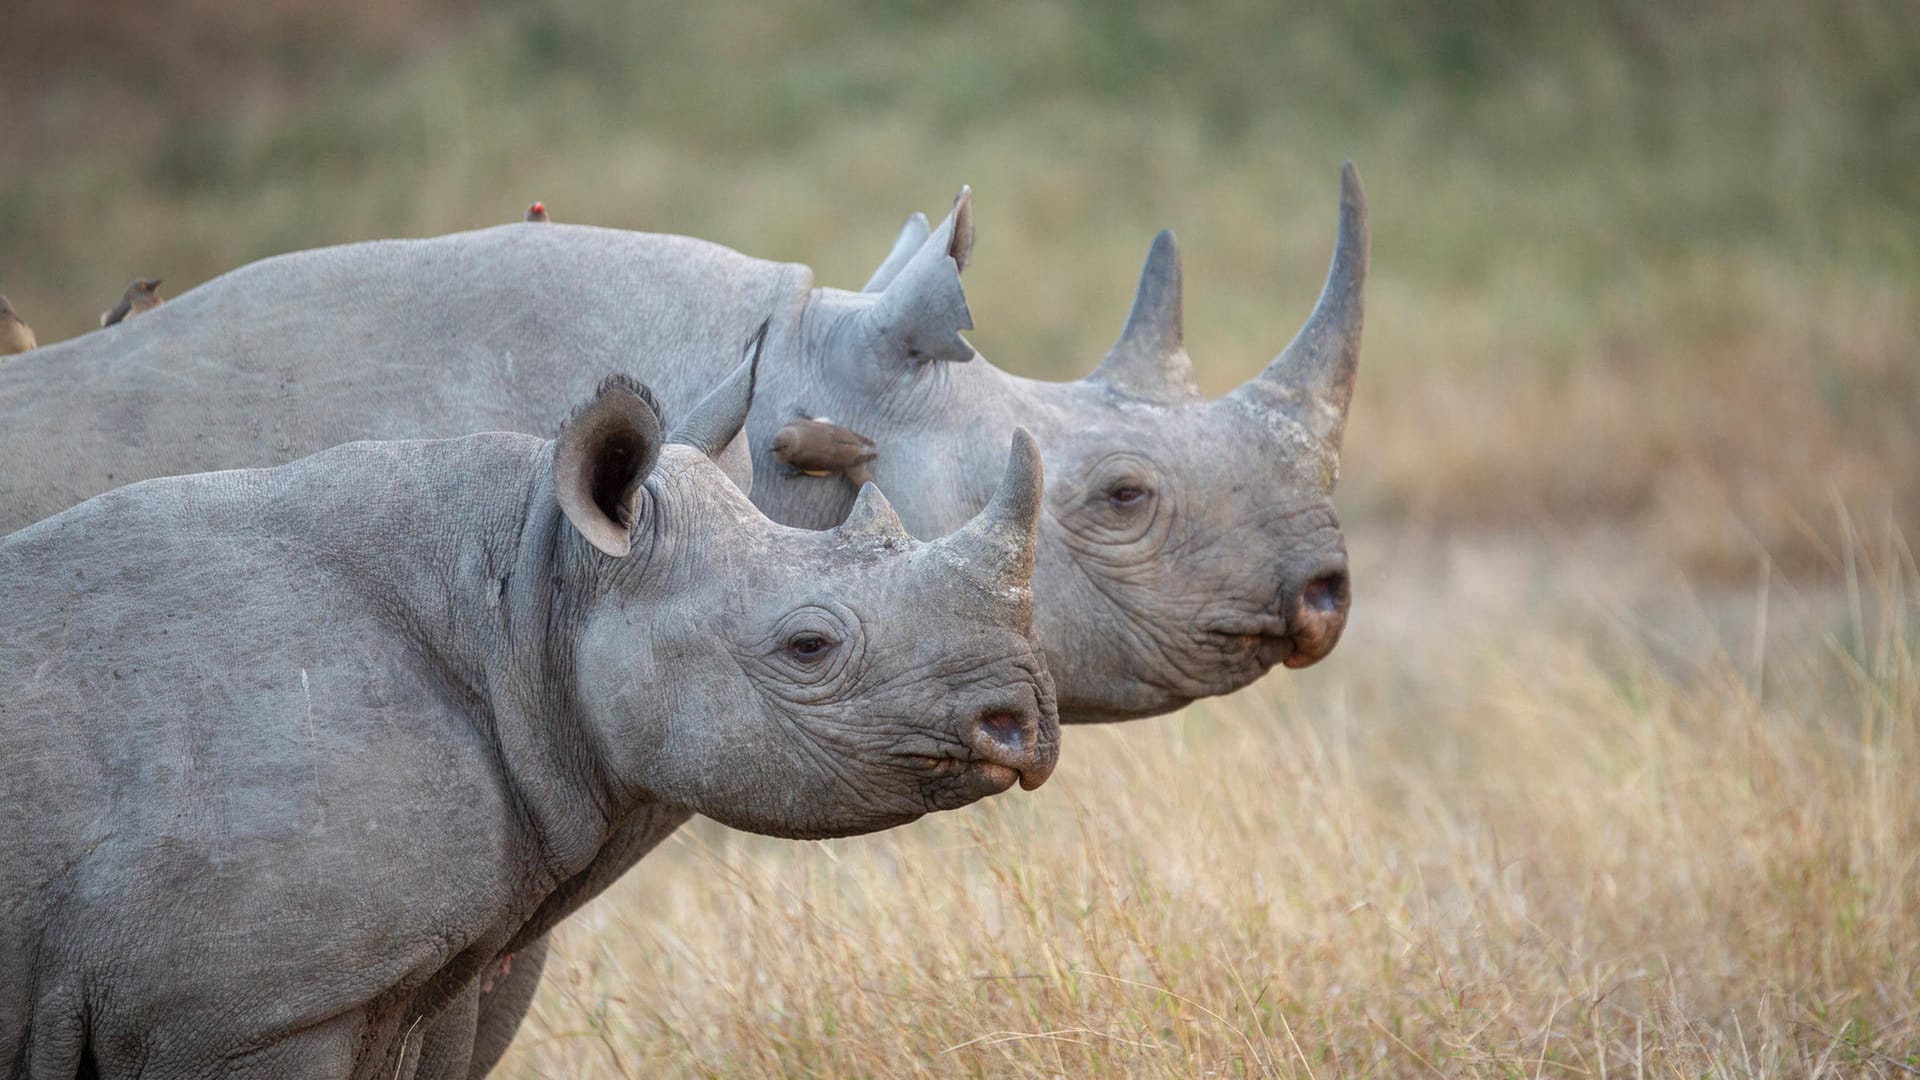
<point x="1126" y="496"/>
<point x="809" y="647"/>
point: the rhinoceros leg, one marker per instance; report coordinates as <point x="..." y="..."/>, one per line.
<point x="446" y="1047"/>
<point x="504" y="1005"/>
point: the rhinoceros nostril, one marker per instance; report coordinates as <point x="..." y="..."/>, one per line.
<point x="1326" y="594"/>
<point x="1004" y="728"/>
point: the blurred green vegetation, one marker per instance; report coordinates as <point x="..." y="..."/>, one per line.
<point x="1631" y="258"/>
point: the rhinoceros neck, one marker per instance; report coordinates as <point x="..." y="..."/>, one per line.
<point x="460" y="547"/>
<point x="421" y="532"/>
<point x="577" y="764"/>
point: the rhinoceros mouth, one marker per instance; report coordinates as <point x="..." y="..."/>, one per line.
<point x="1265" y="639"/>
<point x="1249" y="626"/>
<point x="969" y="778"/>
<point x="1265" y="650"/>
<point x="1280" y="650"/>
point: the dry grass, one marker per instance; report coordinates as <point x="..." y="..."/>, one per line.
<point x="1529" y="821"/>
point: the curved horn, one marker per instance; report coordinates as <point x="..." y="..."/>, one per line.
<point x="720" y="415"/>
<point x="912" y="234"/>
<point x="1150" y="360"/>
<point x="999" y="542"/>
<point x="1312" y="379"/>
<point x="872" y="518"/>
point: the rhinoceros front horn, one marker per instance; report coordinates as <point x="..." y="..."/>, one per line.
<point x="1311" y="381"/>
<point x="720" y="415"/>
<point x="999" y="542"/>
<point x="1150" y="361"/>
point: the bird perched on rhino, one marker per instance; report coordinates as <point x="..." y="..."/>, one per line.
<point x="141" y="296"/>
<point x="537" y="212"/>
<point x="15" y="335"/>
<point x="820" y="447"/>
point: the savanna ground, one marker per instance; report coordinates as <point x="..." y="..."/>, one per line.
<point x="1614" y="774"/>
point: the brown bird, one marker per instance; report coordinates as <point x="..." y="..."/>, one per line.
<point x="820" y="447"/>
<point x="143" y="295"/>
<point x="537" y="212"/>
<point x="15" y="335"/>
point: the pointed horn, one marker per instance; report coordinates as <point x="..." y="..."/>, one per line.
<point x="1150" y="360"/>
<point x="872" y="518"/>
<point x="723" y="412"/>
<point x="912" y="234"/>
<point x="1000" y="539"/>
<point x="1312" y="379"/>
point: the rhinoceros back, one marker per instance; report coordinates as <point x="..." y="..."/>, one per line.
<point x="499" y="329"/>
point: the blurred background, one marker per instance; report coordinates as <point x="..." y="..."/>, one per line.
<point x="1612" y="759"/>
<point x="1631" y="258"/>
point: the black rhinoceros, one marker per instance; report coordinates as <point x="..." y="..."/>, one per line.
<point x="291" y="758"/>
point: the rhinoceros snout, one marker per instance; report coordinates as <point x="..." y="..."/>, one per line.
<point x="1318" y="614"/>
<point x="1017" y="738"/>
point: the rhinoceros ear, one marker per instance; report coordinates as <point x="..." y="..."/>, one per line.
<point x="602" y="456"/>
<point x="737" y="462"/>
<point x="961" y="244"/>
<point x="912" y="234"/>
<point x="917" y="317"/>
<point x="716" y="423"/>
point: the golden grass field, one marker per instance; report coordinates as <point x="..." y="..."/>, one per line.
<point x="1544" y="813"/>
<point x="1614" y="774"/>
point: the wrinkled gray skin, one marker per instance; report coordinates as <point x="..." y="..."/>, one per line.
<point x="1226" y="559"/>
<point x="1187" y="545"/>
<point x="307" y="750"/>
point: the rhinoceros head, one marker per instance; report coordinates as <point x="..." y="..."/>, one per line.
<point x="1187" y="545"/>
<point x="811" y="684"/>
<point x="1200" y="535"/>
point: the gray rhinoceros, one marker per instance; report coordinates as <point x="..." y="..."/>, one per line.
<point x="291" y="757"/>
<point x="1187" y="547"/>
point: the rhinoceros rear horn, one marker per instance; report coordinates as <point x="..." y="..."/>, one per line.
<point x="912" y="234"/>
<point x="999" y="542"/>
<point x="1150" y="361"/>
<point x="601" y="457"/>
<point x="872" y="518"/>
<point x="1312" y="379"/>
<point x="719" y="416"/>
<point x="917" y="317"/>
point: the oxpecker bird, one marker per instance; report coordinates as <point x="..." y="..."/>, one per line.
<point x="15" y="335"/>
<point x="141" y="296"/>
<point x="821" y="448"/>
<point x="537" y="212"/>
